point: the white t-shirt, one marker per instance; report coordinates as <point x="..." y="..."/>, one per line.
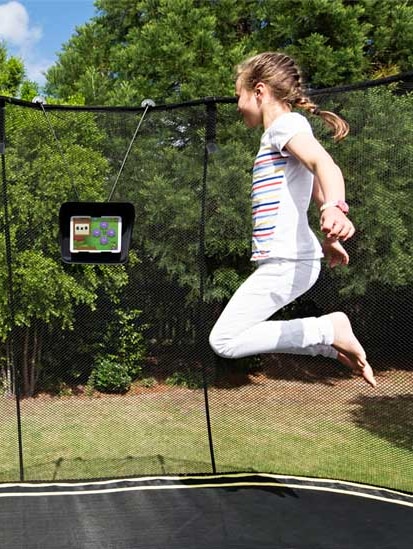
<point x="281" y="193"/>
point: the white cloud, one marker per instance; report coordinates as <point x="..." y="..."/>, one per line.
<point x="21" y="38"/>
<point x="15" y="27"/>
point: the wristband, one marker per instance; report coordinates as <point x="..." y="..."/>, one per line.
<point x="340" y="204"/>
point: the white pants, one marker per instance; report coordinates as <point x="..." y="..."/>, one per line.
<point x="243" y="329"/>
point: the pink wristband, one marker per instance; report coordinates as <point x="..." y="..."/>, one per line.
<point x="340" y="204"/>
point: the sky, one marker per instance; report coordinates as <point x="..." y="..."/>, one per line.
<point x="35" y="30"/>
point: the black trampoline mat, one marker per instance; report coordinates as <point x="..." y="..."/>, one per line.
<point x="236" y="511"/>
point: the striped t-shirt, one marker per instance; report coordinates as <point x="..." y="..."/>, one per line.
<point x="281" y="193"/>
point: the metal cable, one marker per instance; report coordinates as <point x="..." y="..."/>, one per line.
<point x="128" y="151"/>
<point x="147" y="103"/>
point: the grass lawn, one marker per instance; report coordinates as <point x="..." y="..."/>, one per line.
<point x="342" y="430"/>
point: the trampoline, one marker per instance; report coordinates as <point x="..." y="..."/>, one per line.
<point x="240" y="511"/>
<point x="202" y="454"/>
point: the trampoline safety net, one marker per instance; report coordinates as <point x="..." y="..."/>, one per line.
<point x="106" y="370"/>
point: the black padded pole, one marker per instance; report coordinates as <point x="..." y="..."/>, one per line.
<point x="10" y="288"/>
<point x="210" y="131"/>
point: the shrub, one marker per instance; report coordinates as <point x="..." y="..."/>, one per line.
<point x="110" y="376"/>
<point x="191" y="379"/>
<point x="124" y="341"/>
<point x="147" y="382"/>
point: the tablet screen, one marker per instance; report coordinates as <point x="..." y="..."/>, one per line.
<point x="95" y="234"/>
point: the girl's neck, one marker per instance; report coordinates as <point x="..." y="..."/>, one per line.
<point x="272" y="110"/>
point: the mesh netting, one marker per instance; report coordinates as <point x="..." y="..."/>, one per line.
<point x="68" y="327"/>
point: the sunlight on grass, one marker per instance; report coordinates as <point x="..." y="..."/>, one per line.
<point x="276" y="428"/>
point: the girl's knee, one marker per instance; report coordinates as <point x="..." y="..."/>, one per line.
<point x="219" y="345"/>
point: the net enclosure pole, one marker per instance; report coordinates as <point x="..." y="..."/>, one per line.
<point x="210" y="130"/>
<point x="10" y="288"/>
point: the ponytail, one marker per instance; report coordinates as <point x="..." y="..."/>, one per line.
<point x="335" y="122"/>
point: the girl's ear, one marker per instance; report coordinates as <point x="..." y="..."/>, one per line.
<point x="259" y="89"/>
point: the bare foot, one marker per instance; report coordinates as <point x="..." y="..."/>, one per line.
<point x="350" y="350"/>
<point x="351" y="362"/>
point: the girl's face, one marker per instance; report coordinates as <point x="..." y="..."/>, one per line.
<point x="248" y="105"/>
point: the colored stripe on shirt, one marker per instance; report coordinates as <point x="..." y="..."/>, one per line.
<point x="267" y="183"/>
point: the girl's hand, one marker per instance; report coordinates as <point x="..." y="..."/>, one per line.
<point x="335" y="224"/>
<point x="334" y="252"/>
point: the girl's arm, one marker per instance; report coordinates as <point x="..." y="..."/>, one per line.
<point x="317" y="195"/>
<point x="328" y="184"/>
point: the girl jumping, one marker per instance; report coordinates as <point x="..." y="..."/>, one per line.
<point x="291" y="167"/>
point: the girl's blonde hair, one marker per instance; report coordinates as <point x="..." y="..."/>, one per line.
<point x="282" y="75"/>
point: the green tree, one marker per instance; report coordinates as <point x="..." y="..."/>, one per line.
<point x="339" y="41"/>
<point x="326" y="37"/>
<point x="11" y="73"/>
<point x="12" y="77"/>
<point x="167" y="49"/>
<point x="174" y="50"/>
<point x="376" y="160"/>
<point x="46" y="291"/>
<point x="390" y="43"/>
